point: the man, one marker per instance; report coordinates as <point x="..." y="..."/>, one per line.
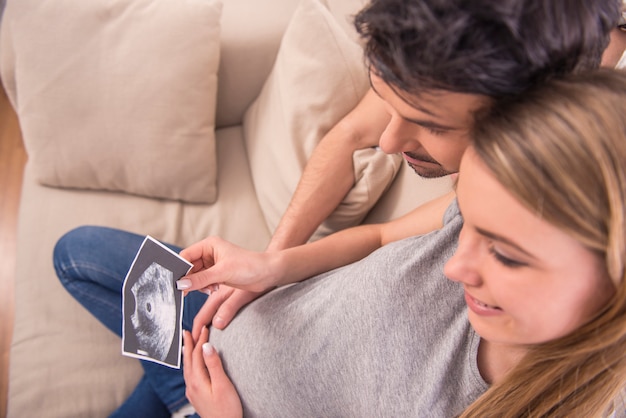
<point x="433" y="64"/>
<point x="482" y="63"/>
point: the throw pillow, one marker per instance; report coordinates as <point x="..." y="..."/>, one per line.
<point x="118" y="95"/>
<point x="318" y="77"/>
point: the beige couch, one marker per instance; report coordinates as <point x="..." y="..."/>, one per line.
<point x="178" y="119"/>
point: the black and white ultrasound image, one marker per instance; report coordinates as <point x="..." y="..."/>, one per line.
<point x="152" y="306"/>
<point x="154" y="319"/>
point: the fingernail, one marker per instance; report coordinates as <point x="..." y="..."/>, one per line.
<point x="183" y="284"/>
<point x="208" y="349"/>
<point x="218" y="321"/>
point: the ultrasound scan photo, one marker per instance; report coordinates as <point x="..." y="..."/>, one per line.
<point x="152" y="306"/>
<point x="154" y="319"/>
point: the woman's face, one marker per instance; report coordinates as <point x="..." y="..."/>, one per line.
<point x="525" y="281"/>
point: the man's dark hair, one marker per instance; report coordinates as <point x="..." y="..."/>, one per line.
<point x="496" y="48"/>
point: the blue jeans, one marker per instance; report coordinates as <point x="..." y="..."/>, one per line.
<point x="92" y="262"/>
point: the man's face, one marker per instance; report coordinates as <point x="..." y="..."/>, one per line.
<point x="430" y="130"/>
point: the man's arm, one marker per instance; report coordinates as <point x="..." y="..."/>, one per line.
<point x="327" y="178"/>
<point x="329" y="174"/>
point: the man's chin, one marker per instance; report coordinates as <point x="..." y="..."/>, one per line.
<point x="429" y="172"/>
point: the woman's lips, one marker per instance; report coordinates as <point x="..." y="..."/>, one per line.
<point x="480" y="307"/>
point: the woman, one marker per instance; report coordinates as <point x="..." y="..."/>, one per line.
<point x="540" y="263"/>
<point x="562" y="154"/>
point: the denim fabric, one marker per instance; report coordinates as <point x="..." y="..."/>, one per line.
<point x="92" y="262"/>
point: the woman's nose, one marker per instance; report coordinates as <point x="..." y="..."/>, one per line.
<point x="464" y="265"/>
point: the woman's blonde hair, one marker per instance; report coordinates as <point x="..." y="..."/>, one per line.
<point x="561" y="151"/>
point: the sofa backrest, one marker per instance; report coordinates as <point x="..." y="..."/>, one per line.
<point x="250" y="37"/>
<point x="251" y="32"/>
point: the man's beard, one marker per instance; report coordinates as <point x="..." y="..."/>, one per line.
<point x="427" y="172"/>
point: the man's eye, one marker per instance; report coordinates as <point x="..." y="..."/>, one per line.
<point x="436" y="131"/>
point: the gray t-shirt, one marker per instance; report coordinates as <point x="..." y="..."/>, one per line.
<point x="386" y="336"/>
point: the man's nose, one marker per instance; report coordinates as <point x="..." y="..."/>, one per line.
<point x="396" y="138"/>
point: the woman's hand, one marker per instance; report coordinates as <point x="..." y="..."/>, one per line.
<point x="209" y="390"/>
<point x="221" y="307"/>
<point x="216" y="261"/>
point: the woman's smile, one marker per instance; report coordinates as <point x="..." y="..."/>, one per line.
<point x="479" y="307"/>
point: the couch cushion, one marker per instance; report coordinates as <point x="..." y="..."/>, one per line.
<point x="82" y="359"/>
<point x="319" y="76"/>
<point x="117" y="95"/>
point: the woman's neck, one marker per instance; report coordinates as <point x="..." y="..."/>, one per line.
<point x="496" y="360"/>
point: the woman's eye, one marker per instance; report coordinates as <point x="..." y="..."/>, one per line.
<point x="509" y="262"/>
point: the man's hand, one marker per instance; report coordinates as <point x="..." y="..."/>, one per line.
<point x="209" y="389"/>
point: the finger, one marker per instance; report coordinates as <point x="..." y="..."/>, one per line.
<point x="197" y="382"/>
<point x="214" y="365"/>
<point x="229" y="308"/>
<point x="188" y="347"/>
<point x="221" y="388"/>
<point x="201" y="253"/>
<point x="210" y="289"/>
<point x="194" y="252"/>
<point x="198" y="369"/>
<point x="199" y="280"/>
<point x="206" y="314"/>
<point x="197" y="266"/>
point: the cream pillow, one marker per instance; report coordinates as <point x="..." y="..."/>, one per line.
<point x="318" y="77"/>
<point x="118" y="95"/>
